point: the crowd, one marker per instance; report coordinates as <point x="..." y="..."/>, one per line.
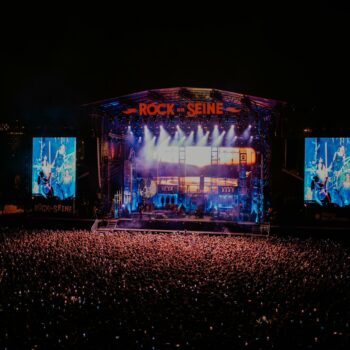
<point x="82" y="290"/>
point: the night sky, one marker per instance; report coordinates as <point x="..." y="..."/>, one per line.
<point x="55" y="62"/>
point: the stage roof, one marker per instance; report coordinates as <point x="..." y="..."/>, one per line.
<point x="184" y="94"/>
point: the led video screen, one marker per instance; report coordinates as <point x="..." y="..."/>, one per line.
<point x="327" y="171"/>
<point x="53" y="167"/>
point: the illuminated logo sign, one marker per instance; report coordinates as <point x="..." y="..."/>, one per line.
<point x="190" y="109"/>
<point x="53" y="208"/>
<point x="226" y="189"/>
<point x="167" y="189"/>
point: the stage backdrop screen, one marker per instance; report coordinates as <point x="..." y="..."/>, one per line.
<point x="327" y="171"/>
<point x="53" y="167"/>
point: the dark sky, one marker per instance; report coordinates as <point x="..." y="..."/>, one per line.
<point x="55" y="62"/>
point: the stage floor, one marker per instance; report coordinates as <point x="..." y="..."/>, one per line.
<point x="187" y="224"/>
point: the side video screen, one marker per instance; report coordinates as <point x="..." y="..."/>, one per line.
<point x="53" y="167"/>
<point x="327" y="171"/>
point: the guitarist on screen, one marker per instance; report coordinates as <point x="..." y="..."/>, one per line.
<point x="45" y="187"/>
<point x="319" y="189"/>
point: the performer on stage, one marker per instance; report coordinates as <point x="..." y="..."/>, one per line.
<point x="254" y="209"/>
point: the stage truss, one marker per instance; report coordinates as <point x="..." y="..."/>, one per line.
<point x="184" y="152"/>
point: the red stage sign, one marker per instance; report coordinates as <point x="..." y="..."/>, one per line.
<point x="190" y="109"/>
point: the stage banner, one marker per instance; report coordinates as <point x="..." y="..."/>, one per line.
<point x="226" y="189"/>
<point x="167" y="189"/>
<point x="54" y="207"/>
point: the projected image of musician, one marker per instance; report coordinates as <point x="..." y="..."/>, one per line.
<point x="321" y="170"/>
<point x="59" y="162"/>
<point x="44" y="185"/>
<point x="345" y="190"/>
<point x="319" y="176"/>
<point x="319" y="190"/>
<point x="331" y="181"/>
<point x="46" y="166"/>
<point x="338" y="163"/>
<point x="54" y="176"/>
<point x="67" y="184"/>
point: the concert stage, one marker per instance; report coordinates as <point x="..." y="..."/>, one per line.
<point x="192" y="153"/>
<point x="187" y="225"/>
